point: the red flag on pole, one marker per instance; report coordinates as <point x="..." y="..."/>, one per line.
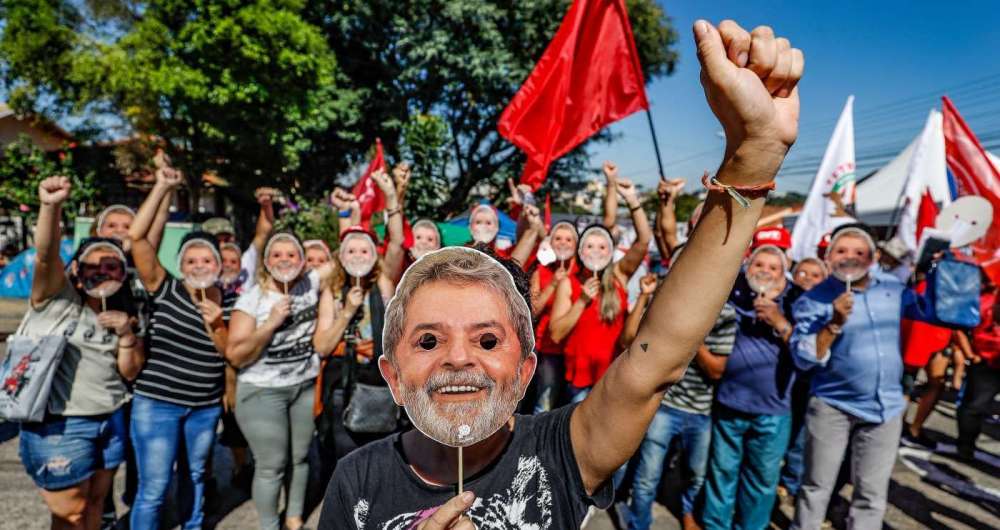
<point x="588" y="77"/>
<point x="366" y="190"/>
<point x="975" y="174"/>
<point x="926" y="213"/>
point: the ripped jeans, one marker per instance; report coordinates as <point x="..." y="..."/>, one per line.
<point x="63" y="451"/>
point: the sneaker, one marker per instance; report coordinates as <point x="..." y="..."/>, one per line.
<point x="917" y="442"/>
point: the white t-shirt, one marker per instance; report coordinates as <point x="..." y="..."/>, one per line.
<point x="289" y="358"/>
<point x="248" y="268"/>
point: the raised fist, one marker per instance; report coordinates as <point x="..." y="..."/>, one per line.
<point x="264" y="195"/>
<point x="669" y="189"/>
<point x="341" y="199"/>
<point x="169" y="177"/>
<point x="54" y="190"/>
<point x="161" y="159"/>
<point x="384" y="183"/>
<point x="401" y="175"/>
<point x="750" y="82"/>
<point x="647" y="284"/>
<point x="610" y="171"/>
<point x="534" y="219"/>
<point x="627" y="192"/>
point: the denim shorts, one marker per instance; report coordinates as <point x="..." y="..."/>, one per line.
<point x="63" y="451"/>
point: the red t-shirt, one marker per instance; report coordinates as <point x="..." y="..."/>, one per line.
<point x="593" y="343"/>
<point x="544" y="343"/>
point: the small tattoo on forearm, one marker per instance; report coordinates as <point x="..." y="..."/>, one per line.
<point x="644" y="346"/>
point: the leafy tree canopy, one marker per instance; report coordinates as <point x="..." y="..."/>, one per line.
<point x="293" y="92"/>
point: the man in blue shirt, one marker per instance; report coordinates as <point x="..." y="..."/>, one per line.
<point x="751" y="420"/>
<point x="849" y="336"/>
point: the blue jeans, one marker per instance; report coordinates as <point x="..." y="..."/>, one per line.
<point x="695" y="431"/>
<point x="795" y="458"/>
<point x="743" y="468"/>
<point x="159" y="429"/>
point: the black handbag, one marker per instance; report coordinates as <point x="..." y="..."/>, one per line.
<point x="370" y="406"/>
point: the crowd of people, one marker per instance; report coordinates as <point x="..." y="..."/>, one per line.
<point x="271" y="348"/>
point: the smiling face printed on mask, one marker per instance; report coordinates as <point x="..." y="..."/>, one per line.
<point x="484" y="224"/>
<point x="283" y="258"/>
<point x="317" y="255"/>
<point x="563" y="241"/>
<point x="100" y="270"/>
<point x="199" y="264"/>
<point x="460" y="376"/>
<point x="358" y="255"/>
<point x="114" y="222"/>
<point x="809" y="273"/>
<point x="596" y="249"/>
<point x="850" y="256"/>
<point x="230" y="263"/>
<point x="458" y="342"/>
<point x="766" y="270"/>
<point x="425" y="239"/>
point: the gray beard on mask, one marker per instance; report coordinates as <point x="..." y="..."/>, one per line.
<point x="460" y="424"/>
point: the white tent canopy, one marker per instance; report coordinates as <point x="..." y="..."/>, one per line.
<point x="879" y="194"/>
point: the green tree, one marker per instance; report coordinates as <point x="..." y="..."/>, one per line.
<point x="462" y="60"/>
<point x="294" y="92"/>
<point x="425" y="145"/>
<point x="230" y="85"/>
<point x="23" y="165"/>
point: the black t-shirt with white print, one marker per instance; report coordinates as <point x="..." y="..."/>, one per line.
<point x="535" y="484"/>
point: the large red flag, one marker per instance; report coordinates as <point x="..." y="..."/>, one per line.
<point x="366" y="190"/>
<point x="588" y="77"/>
<point x="975" y="174"/>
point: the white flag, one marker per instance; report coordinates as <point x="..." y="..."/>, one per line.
<point x="835" y="176"/>
<point x="926" y="171"/>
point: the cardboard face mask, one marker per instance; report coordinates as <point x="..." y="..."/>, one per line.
<point x="483" y="232"/>
<point x="358" y="255"/>
<point x="596" y="249"/>
<point x="200" y="276"/>
<point x="965" y="220"/>
<point x="455" y="422"/>
<point x="105" y="278"/>
<point x="284" y="270"/>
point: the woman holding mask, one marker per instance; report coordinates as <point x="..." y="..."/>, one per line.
<point x="179" y="392"/>
<point x="85" y="420"/>
<point x="544" y="281"/>
<point x="591" y="322"/>
<point x="270" y="343"/>
<point x="351" y="311"/>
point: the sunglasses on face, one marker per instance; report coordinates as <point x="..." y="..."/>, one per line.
<point x="108" y="269"/>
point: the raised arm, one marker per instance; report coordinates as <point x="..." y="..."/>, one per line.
<point x="401" y="178"/>
<point x="610" y="197"/>
<point x="627" y="266"/>
<point x="49" y="277"/>
<point x="265" y="218"/>
<point x="758" y="106"/>
<point x="394" y="230"/>
<point x="646" y="287"/>
<point x="529" y="239"/>
<point x="151" y="272"/>
<point x="347" y="207"/>
<point x="155" y="235"/>
<point x="666" y="216"/>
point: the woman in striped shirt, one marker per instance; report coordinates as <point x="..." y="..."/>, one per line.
<point x="178" y="394"/>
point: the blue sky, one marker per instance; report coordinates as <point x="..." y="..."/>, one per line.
<point x="896" y="57"/>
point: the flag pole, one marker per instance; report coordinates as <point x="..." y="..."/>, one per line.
<point x="656" y="145"/>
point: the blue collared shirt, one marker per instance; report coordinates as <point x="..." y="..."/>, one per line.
<point x="862" y="373"/>
<point x="760" y="371"/>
